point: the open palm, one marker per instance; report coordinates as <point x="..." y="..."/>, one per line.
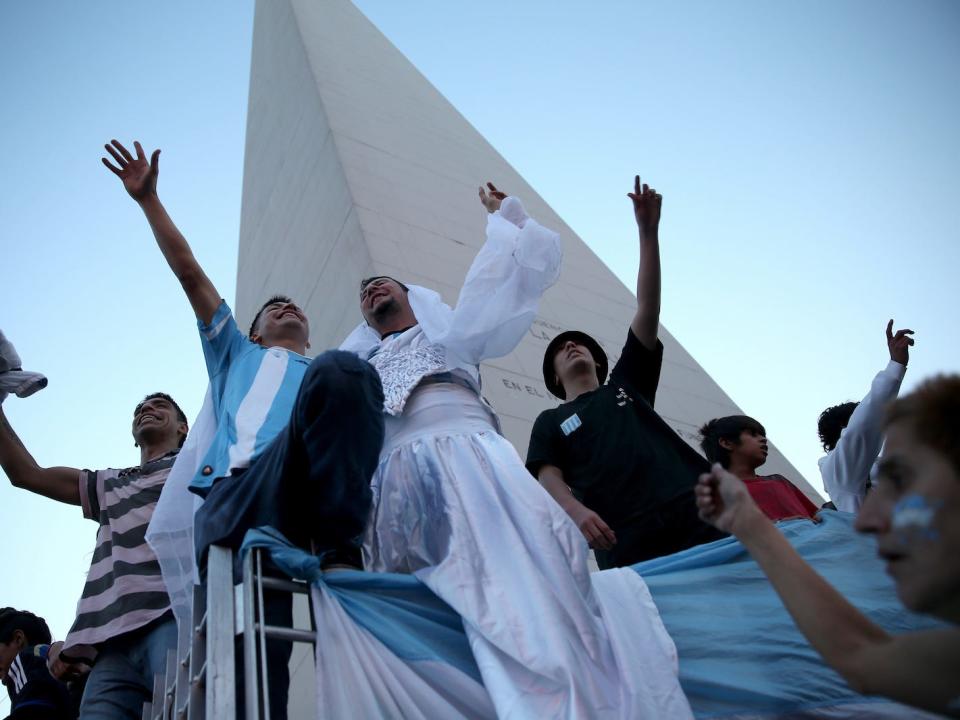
<point x="139" y="176"/>
<point x="492" y="200"/>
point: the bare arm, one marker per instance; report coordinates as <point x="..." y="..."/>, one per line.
<point x="646" y="208"/>
<point x="594" y="529"/>
<point x="58" y="483"/>
<point x="140" y="181"/>
<point x="919" y="668"/>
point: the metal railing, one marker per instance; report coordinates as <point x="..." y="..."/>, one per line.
<point x="200" y="680"/>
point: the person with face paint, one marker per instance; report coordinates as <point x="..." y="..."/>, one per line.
<point x="914" y="513"/>
<point x="282" y="440"/>
<point x="454" y="505"/>
<point x="124" y="625"/>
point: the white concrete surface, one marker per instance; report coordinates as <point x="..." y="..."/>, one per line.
<point x="356" y="165"/>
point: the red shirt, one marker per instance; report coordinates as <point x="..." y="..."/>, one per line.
<point x="779" y="498"/>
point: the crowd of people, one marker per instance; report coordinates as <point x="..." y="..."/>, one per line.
<point x="383" y="455"/>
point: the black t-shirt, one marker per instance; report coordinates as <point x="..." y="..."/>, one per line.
<point x="619" y="457"/>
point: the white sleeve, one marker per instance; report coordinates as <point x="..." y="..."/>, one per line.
<point x="846" y="468"/>
<point x="502" y="289"/>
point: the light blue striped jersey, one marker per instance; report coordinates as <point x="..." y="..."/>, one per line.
<point x="253" y="389"/>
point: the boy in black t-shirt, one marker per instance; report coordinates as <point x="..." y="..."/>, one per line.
<point x="621" y="473"/>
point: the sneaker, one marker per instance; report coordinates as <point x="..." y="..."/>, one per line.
<point x="9" y="360"/>
<point x="21" y="383"/>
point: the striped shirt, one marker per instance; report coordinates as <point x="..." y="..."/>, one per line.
<point x="253" y="389"/>
<point x="124" y="589"/>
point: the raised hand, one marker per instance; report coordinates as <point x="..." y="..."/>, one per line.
<point x="646" y="207"/>
<point x="492" y="201"/>
<point x="724" y="501"/>
<point x="594" y="529"/>
<point x="899" y="344"/>
<point x="139" y="177"/>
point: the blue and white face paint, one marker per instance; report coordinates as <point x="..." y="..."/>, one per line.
<point x="913" y="517"/>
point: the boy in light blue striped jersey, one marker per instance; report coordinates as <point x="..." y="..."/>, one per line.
<point x="295" y="441"/>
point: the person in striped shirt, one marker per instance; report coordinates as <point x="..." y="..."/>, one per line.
<point x="123" y="626"/>
<point x="295" y="441"/>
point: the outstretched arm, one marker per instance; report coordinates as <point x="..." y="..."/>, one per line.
<point x="846" y="468"/>
<point x="594" y="529"/>
<point x="918" y="668"/>
<point x="140" y="181"/>
<point x="511" y="210"/>
<point x="646" y="209"/>
<point x="58" y="483"/>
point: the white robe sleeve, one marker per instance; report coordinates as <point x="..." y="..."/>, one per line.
<point x="846" y="468"/>
<point x="502" y="289"/>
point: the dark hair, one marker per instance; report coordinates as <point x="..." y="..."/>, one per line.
<point x="367" y="281"/>
<point x="181" y="416"/>
<point x="831" y="423"/>
<point x="726" y="428"/>
<point x="272" y="301"/>
<point x="934" y="411"/>
<point x="33" y="626"/>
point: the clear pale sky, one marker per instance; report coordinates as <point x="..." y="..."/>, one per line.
<point x="808" y="155"/>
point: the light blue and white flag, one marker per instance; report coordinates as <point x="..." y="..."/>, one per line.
<point x="388" y="647"/>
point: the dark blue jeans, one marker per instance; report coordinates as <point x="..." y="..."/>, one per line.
<point x="312" y="483"/>
<point x="121" y="680"/>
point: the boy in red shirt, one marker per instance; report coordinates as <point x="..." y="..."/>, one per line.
<point x="739" y="444"/>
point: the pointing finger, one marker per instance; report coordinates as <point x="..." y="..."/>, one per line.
<point x="155" y="161"/>
<point x="890" y="330"/>
<point x="139" y="148"/>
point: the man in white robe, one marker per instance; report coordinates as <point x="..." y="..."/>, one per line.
<point x="454" y="505"/>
